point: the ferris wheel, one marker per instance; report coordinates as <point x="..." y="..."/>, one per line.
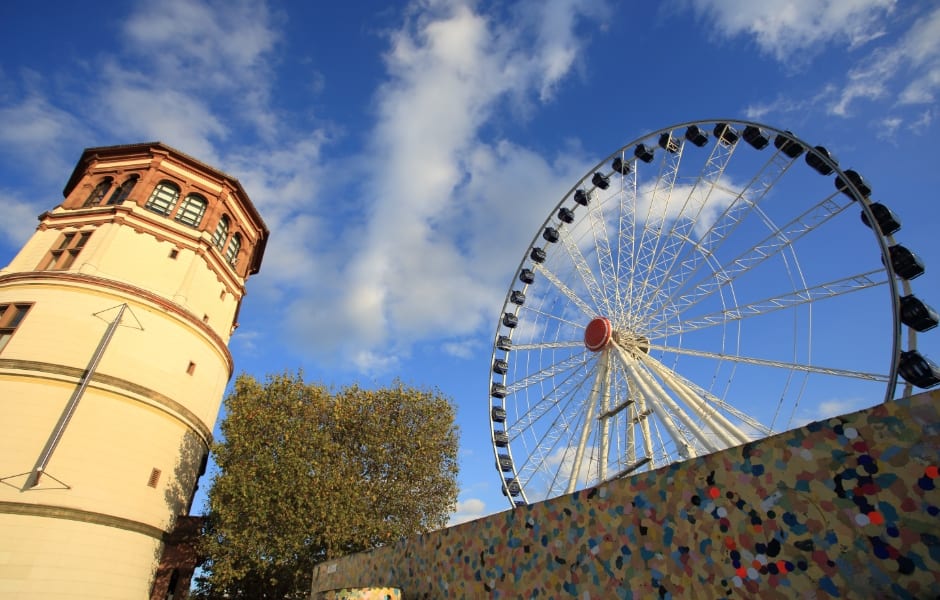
<point x="707" y="284"/>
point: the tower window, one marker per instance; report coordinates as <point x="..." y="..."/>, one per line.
<point x="97" y="194"/>
<point x="10" y="317"/>
<point x="163" y="198"/>
<point x="123" y="190"/>
<point x="174" y="253"/>
<point x="191" y="210"/>
<point x="221" y="233"/>
<point x="154" y="477"/>
<point x="66" y="250"/>
<point x="231" y="253"/>
<point x="191" y="368"/>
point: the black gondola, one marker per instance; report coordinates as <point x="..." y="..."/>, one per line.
<point x="695" y="135"/>
<point x="621" y="166"/>
<point x="917" y="315"/>
<point x="814" y="158"/>
<point x="644" y="153"/>
<point x="600" y="180"/>
<point x="887" y="221"/>
<point x="755" y="137"/>
<point x="787" y="145"/>
<point x="726" y="133"/>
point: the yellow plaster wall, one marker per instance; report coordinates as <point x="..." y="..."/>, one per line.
<point x="53" y="558"/>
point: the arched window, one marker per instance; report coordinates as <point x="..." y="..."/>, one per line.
<point x="231" y="253"/>
<point x="163" y="198"/>
<point x="124" y="190"/>
<point x="94" y="199"/>
<point x="221" y="233"/>
<point x="191" y="210"/>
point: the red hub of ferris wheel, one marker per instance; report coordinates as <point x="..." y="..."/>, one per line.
<point x="597" y="334"/>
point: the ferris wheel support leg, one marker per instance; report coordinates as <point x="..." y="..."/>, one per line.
<point x="600" y="381"/>
<point x="709" y="415"/>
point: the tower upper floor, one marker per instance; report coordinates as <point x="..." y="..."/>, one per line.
<point x="149" y="217"/>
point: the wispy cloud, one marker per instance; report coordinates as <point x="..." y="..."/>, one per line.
<point x="898" y="73"/>
<point x="34" y="127"/>
<point x="788" y="30"/>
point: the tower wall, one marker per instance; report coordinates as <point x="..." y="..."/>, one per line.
<point x="91" y="522"/>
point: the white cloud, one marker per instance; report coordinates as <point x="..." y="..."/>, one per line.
<point x="132" y="108"/>
<point x="888" y="126"/>
<point x="557" y="44"/>
<point x="833" y="407"/>
<point x="16" y="213"/>
<point x="207" y="46"/>
<point x="468" y="510"/>
<point x="912" y="65"/>
<point x="441" y="237"/>
<point x="788" y="29"/>
<point x="412" y="239"/>
<point x="461" y="348"/>
<point x="41" y="134"/>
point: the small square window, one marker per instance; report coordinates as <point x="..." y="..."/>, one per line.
<point x="174" y="253"/>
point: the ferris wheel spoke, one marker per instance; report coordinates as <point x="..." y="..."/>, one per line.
<point x="552" y="445"/>
<point x="847" y="285"/>
<point x="594" y="290"/>
<point x="549" y="316"/>
<point x="707" y="191"/>
<point x="548" y="345"/>
<point x="566" y="291"/>
<point x="549" y="371"/>
<point x="745" y="201"/>
<point x="767" y="248"/>
<point x="623" y="221"/>
<point x="626" y="239"/>
<point x="763" y="362"/>
<point x="653" y="223"/>
<point x="561" y="391"/>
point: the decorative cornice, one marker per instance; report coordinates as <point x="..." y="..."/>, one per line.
<point x="100" y="380"/>
<point x="35" y="277"/>
<point x="161" y="229"/>
<point x="82" y="516"/>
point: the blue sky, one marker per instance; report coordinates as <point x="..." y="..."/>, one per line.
<point x="405" y="154"/>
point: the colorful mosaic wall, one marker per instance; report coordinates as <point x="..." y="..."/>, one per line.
<point x="843" y="508"/>
<point x="361" y="594"/>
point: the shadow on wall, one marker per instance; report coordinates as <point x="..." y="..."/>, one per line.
<point x="180" y="557"/>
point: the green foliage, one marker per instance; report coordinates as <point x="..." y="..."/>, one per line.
<point x="306" y="475"/>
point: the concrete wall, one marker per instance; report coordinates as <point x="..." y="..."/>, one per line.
<point x="843" y="508"/>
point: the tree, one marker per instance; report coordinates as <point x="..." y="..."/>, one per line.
<point x="306" y="475"/>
